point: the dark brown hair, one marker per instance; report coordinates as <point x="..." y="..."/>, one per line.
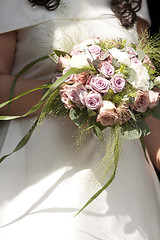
<point x="49" y="4"/>
<point x="125" y="10"/>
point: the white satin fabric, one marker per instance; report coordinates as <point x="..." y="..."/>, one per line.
<point x="44" y="185"/>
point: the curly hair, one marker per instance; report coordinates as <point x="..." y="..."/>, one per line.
<point x="49" y="4"/>
<point x="125" y="10"/>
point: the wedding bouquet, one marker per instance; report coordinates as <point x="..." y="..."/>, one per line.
<point x="101" y="84"/>
<point x="117" y="87"/>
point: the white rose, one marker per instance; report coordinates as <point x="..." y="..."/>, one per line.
<point x="122" y="57"/>
<point x="79" y="60"/>
<point x="142" y="77"/>
<point x="84" y="45"/>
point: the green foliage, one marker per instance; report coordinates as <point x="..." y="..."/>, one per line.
<point x="156" y="112"/>
<point x="78" y="116"/>
<point x="135" y="129"/>
<point x="151" y="46"/>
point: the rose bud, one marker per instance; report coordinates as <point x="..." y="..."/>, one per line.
<point x="123" y="113"/>
<point x="142" y="101"/>
<point x="153" y="98"/>
<point x="107" y="114"/>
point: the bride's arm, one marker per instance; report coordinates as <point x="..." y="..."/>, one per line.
<point x="7" y="53"/>
<point x="152" y="141"/>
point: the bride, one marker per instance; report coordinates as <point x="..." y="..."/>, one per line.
<point x="44" y="185"/>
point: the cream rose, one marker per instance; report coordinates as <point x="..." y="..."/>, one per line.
<point x="107" y="114"/>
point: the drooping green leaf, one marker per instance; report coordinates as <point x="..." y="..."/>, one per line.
<point x="143" y="146"/>
<point x="91" y="113"/>
<point x="79" y="117"/>
<point x="114" y="163"/>
<point x="23" y="141"/>
<point x="135" y="129"/>
<point x="142" y="125"/>
<point x="62" y="79"/>
<point x="98" y="132"/>
<point x="59" y="53"/>
<point x="130" y="130"/>
<point x="25" y="69"/>
<point x="46" y="86"/>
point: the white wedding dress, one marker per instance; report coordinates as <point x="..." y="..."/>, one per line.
<point x="44" y="185"/>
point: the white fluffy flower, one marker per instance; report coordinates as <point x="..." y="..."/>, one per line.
<point x="142" y="77"/>
<point x="84" y="45"/>
<point x="80" y="60"/>
<point x="122" y="57"/>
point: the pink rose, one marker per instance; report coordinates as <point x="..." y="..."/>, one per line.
<point x="93" y="101"/>
<point x="73" y="95"/>
<point x="83" y="78"/>
<point x="99" y="84"/>
<point x="70" y="79"/>
<point x="153" y="98"/>
<point x="94" y="50"/>
<point x="123" y="113"/>
<point x="141" y="101"/>
<point x="107" y="69"/>
<point x="131" y="51"/>
<point x="77" y="94"/>
<point x="147" y="61"/>
<point x="74" y="51"/>
<point x="64" y="97"/>
<point x="117" y="83"/>
<point x="136" y="60"/>
<point x="82" y="93"/>
<point x="107" y="114"/>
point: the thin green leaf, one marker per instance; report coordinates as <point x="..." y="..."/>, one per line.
<point x="143" y="146"/>
<point x="62" y="79"/>
<point x="23" y="94"/>
<point x="115" y="161"/>
<point x="23" y="141"/>
<point x="59" y="53"/>
<point x="25" y="69"/>
<point x="132" y="114"/>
